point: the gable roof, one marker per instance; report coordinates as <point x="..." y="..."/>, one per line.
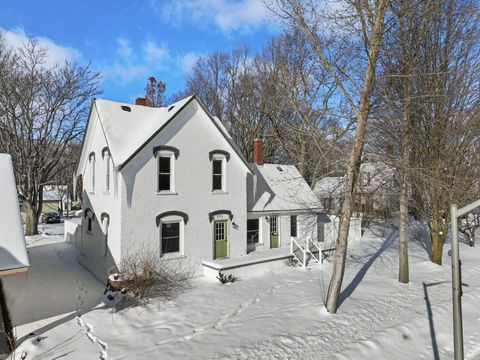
<point x="13" y="252"/>
<point x="281" y="188"/>
<point x="128" y="128"/>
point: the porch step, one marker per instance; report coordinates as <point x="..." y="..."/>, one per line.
<point x="250" y="264"/>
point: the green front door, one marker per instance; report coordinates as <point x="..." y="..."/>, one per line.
<point x="273" y="232"/>
<point x="220" y="237"/>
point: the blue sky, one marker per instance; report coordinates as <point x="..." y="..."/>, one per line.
<point x="127" y="41"/>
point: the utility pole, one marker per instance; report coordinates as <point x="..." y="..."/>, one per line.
<point x="456" y="287"/>
<point x="456" y="213"/>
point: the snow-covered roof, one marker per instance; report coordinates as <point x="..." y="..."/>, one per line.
<point x="54" y="192"/>
<point x="330" y="186"/>
<point x="13" y="252"/>
<point x="127" y="127"/>
<point x="281" y="188"/>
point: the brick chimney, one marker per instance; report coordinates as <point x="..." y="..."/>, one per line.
<point x="389" y="151"/>
<point x="143" y="101"/>
<point x="258" y="151"/>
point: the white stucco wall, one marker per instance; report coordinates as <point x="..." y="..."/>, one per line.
<point x="330" y="231"/>
<point x="195" y="135"/>
<point x="100" y="201"/>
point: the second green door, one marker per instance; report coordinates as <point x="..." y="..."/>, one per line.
<point x="220" y="237"/>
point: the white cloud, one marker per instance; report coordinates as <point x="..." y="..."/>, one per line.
<point x="125" y="74"/>
<point x="124" y="50"/>
<point x="136" y="61"/>
<point x="154" y="52"/>
<point x="227" y="15"/>
<point x="187" y="61"/>
<point x="56" y="54"/>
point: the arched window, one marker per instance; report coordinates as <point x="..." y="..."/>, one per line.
<point x="89" y="217"/>
<point x="166" y="156"/>
<point x="105" y="224"/>
<point x="171" y="225"/>
<point x="219" y="160"/>
<point x="91" y="160"/>
<point x="107" y="167"/>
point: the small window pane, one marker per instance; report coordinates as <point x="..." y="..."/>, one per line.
<point x="89" y="224"/>
<point x="164" y="166"/>
<point x="217" y="167"/>
<point x="220" y="231"/>
<point x="164" y="182"/>
<point x="170" y="237"/>
<point x="217" y="182"/>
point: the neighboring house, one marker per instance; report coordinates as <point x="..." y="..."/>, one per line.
<point x="13" y="252"/>
<point x="329" y="191"/>
<point x="56" y="199"/>
<point x="171" y="180"/>
<point x="376" y="191"/>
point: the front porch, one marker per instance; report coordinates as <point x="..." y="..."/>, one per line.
<point x="257" y="262"/>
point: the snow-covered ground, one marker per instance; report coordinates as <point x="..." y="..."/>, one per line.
<point x="277" y="315"/>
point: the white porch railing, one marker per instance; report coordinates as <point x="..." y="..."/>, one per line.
<point x="318" y="258"/>
<point x="307" y="248"/>
<point x="302" y="261"/>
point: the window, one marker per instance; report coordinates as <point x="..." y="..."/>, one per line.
<point x="170" y="237"/>
<point x="165" y="173"/>
<point x="89" y="226"/>
<point x="220" y="230"/>
<point x="92" y="172"/>
<point x="273" y="225"/>
<point x="217" y="175"/>
<point x="107" y="170"/>
<point x="105" y="236"/>
<point x="252" y="231"/>
<point x="293" y="225"/>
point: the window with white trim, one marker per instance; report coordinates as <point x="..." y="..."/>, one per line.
<point x="107" y="162"/>
<point x="104" y="249"/>
<point x="165" y="175"/>
<point x="89" y="218"/>
<point x="171" y="237"/>
<point x="218" y="173"/>
<point x="91" y="161"/>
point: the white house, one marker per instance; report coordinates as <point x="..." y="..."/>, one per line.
<point x="171" y="180"/>
<point x="376" y="191"/>
<point x="13" y="252"/>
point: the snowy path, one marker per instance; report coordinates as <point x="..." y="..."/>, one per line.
<point x="276" y="315"/>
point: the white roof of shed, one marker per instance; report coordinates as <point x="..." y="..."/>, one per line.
<point x="281" y="188"/>
<point x="13" y="252"/>
<point x="126" y="131"/>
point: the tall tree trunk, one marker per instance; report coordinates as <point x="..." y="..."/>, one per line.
<point x="438" y="237"/>
<point x="355" y="160"/>
<point x="403" y="272"/>
<point x="31" y="219"/>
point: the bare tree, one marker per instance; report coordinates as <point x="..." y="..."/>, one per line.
<point x="349" y="51"/>
<point x="278" y="94"/>
<point x="42" y="111"/>
<point x="155" y="92"/>
<point x="432" y="82"/>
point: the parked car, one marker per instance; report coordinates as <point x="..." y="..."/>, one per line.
<point x="51" y="218"/>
